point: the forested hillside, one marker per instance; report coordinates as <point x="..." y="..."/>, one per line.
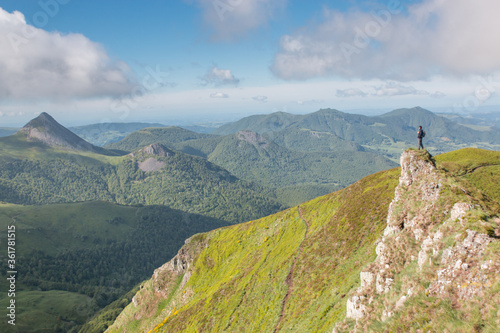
<point x="95" y="249"/>
<point x="306" y="163"/>
<point x="179" y="180"/>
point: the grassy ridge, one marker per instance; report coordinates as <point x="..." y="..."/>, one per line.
<point x="239" y="279"/>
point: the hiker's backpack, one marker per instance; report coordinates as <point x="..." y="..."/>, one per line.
<point x="423" y="133"/>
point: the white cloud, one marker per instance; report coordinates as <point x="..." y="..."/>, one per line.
<point x="38" y="64"/>
<point x="219" y="77"/>
<point x="438" y="94"/>
<point x="219" y="95"/>
<point x="261" y="99"/>
<point x="387" y="89"/>
<point x="230" y="19"/>
<point x="350" y="92"/>
<point x="397" y="89"/>
<point x="434" y="37"/>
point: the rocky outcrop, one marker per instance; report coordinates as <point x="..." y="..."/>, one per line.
<point x="168" y="280"/>
<point x="419" y="221"/>
<point x="155" y="149"/>
<point x="147" y="157"/>
<point x="461" y="273"/>
<point x="252" y="138"/>
<point x="180" y="265"/>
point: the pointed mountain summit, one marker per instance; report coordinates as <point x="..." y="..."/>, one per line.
<point x="47" y="130"/>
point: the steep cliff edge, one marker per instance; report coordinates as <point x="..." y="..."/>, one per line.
<point x="437" y="264"/>
<point x="416" y="254"/>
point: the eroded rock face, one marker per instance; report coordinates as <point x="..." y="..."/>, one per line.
<point x="253" y="138"/>
<point x="157" y="149"/>
<point x="165" y="278"/>
<point x="466" y="277"/>
<point x="151" y="164"/>
<point x="460" y="270"/>
<point x="413" y="168"/>
<point x="355" y="309"/>
<point x="420" y="177"/>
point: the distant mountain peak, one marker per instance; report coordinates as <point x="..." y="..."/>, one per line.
<point x="47" y="130"/>
<point x="253" y="138"/>
<point x="155" y="149"/>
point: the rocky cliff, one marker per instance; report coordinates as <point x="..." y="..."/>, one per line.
<point x="434" y="250"/>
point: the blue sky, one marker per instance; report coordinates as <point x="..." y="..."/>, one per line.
<point x="88" y="61"/>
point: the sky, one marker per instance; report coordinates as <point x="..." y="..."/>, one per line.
<point x="181" y="61"/>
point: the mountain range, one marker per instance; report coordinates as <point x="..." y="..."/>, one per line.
<point x="46" y="163"/>
<point x="95" y="221"/>
<point x="386" y="134"/>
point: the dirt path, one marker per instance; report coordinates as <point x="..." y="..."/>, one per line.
<point x="289" y="277"/>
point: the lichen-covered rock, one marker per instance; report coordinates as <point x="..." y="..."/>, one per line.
<point x="355" y="309"/>
<point x="463" y="274"/>
<point x="460" y="209"/>
<point x="367" y="279"/>
<point x="410" y="222"/>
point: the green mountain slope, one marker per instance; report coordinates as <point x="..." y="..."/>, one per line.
<point x="276" y="121"/>
<point x="75" y="258"/>
<point x="48" y="311"/>
<point x="299" y="270"/>
<point x="306" y="140"/>
<point x="239" y="277"/>
<point x="251" y="156"/>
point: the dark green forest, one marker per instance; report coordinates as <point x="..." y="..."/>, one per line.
<point x="97" y="249"/>
<point x="184" y="182"/>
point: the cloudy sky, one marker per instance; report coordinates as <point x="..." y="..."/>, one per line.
<point x="88" y="61"/>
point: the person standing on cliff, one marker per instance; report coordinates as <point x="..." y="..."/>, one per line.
<point x="420" y="136"/>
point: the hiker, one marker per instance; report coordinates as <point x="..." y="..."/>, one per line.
<point x="420" y="136"/>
